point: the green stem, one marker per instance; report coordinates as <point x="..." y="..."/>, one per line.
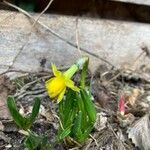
<point x="75" y="67"/>
<point x="71" y="71"/>
<point x="81" y="62"/>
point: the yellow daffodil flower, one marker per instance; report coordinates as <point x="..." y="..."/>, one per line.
<point x="56" y="86"/>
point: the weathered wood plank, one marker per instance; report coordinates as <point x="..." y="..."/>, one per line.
<point x="143" y="2"/>
<point x="116" y="41"/>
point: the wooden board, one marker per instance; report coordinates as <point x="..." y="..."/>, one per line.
<point x="118" y="42"/>
<point x="142" y="2"/>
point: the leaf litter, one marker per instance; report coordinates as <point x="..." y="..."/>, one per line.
<point x="113" y="130"/>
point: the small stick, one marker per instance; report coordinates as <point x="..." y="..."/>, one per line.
<point x="94" y="140"/>
<point x="45" y="9"/>
<point x="77" y="37"/>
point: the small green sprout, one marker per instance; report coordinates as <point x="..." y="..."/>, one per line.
<point x="24" y="123"/>
<point x="32" y="140"/>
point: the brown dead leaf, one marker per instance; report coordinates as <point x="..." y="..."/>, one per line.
<point x="131" y="96"/>
<point x="101" y="121"/>
<point x="5" y="88"/>
<point x="140" y="133"/>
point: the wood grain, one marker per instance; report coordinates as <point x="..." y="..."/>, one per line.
<point x="118" y="42"/>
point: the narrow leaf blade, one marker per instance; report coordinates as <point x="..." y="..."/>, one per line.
<point x="17" y="117"/>
<point x="65" y="133"/>
<point x="35" y="110"/>
<point x="89" y="105"/>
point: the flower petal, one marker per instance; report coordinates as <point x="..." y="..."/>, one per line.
<point x="69" y="83"/>
<point x="55" y="86"/>
<point x="56" y="72"/>
<point x="61" y="95"/>
<point x="48" y="87"/>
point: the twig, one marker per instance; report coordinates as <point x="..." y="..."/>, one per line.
<point x="77" y="37"/>
<point x="57" y="35"/>
<point x="18" y="8"/>
<point x="94" y="140"/>
<point x="75" y="148"/>
<point x="22" y="71"/>
<point x="115" y="77"/>
<point x="88" y="145"/>
<point x="74" y="141"/>
<point x="134" y="65"/>
<point x="110" y="127"/>
<point x="61" y="125"/>
<point x="45" y="9"/>
<point x="43" y="72"/>
<point x="24" y="89"/>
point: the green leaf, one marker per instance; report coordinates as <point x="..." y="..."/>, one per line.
<point x="35" y="109"/>
<point x="89" y="105"/>
<point x="30" y="143"/>
<point x="67" y="109"/>
<point x="84" y="73"/>
<point x="36" y="142"/>
<point x="86" y="133"/>
<point x="17" y="117"/>
<point x="69" y="101"/>
<point x="67" y="112"/>
<point x="44" y="141"/>
<point x="65" y="133"/>
<point x="69" y="118"/>
<point x="77" y="126"/>
<point x="61" y="111"/>
<point x="23" y="122"/>
<point x="82" y="109"/>
<point x="66" y="105"/>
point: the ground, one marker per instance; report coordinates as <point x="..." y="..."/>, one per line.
<point x="112" y="131"/>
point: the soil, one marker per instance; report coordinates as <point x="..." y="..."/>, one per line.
<point x="111" y="128"/>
